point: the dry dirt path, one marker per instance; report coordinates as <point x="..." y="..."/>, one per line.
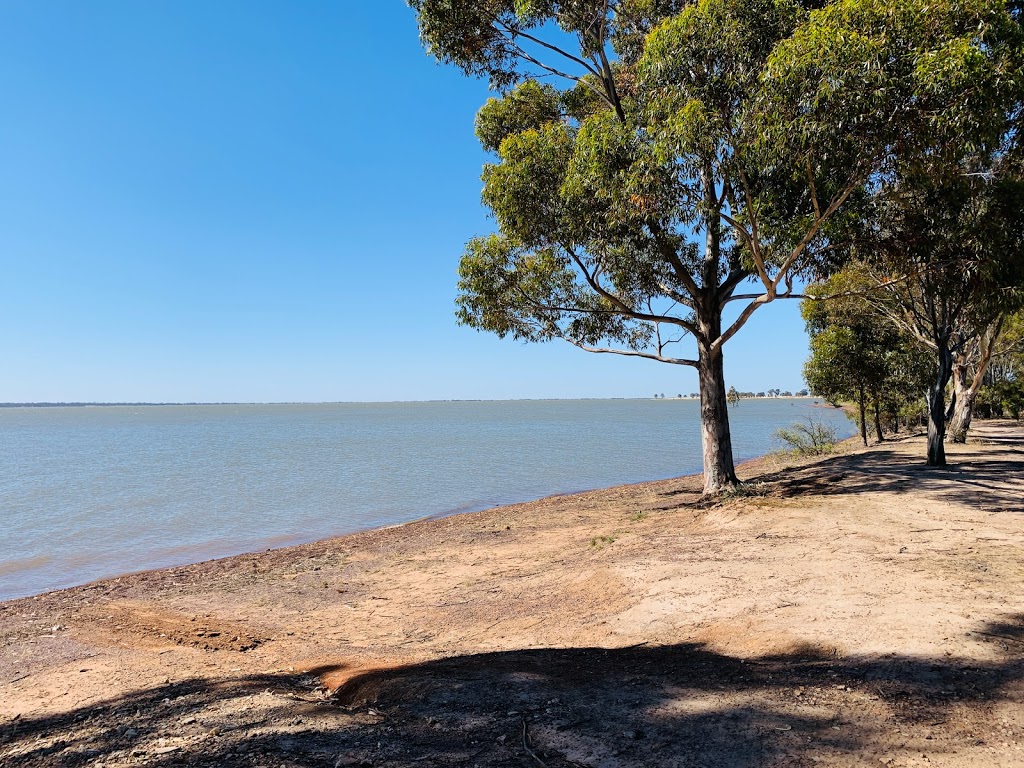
<point x="862" y="610"/>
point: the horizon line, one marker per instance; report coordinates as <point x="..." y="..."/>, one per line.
<point x="111" y="404"/>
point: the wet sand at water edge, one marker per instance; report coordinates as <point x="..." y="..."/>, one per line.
<point x="861" y="609"/>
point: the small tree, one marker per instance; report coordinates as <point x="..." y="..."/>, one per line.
<point x="812" y="439"/>
<point x="857" y="354"/>
<point x="733" y="396"/>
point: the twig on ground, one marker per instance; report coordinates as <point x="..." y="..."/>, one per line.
<point x="629" y="647"/>
<point x="526" y="746"/>
<point x="1001" y="637"/>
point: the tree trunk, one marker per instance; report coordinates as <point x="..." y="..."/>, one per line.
<point x="863" y="416"/>
<point x="951" y="408"/>
<point x="878" y="421"/>
<point x="719" y="472"/>
<point x="961" y="422"/>
<point x="963" y="405"/>
<point x="937" y="408"/>
<point x="965" y="394"/>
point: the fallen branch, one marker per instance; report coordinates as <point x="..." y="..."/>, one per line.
<point x="1001" y="637"/>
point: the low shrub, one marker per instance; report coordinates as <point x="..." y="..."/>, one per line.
<point x="811" y="439"/>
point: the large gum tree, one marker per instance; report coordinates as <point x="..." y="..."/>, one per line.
<point x="665" y="168"/>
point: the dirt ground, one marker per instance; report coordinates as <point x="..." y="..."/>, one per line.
<point x="860" y="610"/>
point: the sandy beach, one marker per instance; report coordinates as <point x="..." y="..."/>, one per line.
<point x="857" y="610"/>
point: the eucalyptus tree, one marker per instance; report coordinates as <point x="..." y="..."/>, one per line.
<point x="1002" y="389"/>
<point x="658" y="160"/>
<point x="969" y="370"/>
<point x="998" y="323"/>
<point x="857" y="354"/>
<point x="958" y="244"/>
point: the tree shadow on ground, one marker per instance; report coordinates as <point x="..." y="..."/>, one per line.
<point x="678" y="705"/>
<point x="984" y="482"/>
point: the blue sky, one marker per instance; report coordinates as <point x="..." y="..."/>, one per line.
<point x="263" y="201"/>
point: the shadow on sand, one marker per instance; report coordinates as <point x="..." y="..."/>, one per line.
<point x="679" y="705"/>
<point x="980" y="483"/>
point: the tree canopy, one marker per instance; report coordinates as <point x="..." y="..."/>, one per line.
<point x="656" y="160"/>
<point x="947" y="250"/>
<point x="858" y="355"/>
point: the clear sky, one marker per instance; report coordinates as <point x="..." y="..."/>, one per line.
<point x="253" y="200"/>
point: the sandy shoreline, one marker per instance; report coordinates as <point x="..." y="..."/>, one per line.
<point x="208" y="552"/>
<point x="858" y="610"/>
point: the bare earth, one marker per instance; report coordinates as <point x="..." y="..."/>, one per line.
<point x="863" y="610"/>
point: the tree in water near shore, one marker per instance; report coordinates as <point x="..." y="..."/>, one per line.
<point x="696" y="154"/>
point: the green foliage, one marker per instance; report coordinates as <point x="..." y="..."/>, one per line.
<point x="1002" y="398"/>
<point x="960" y="236"/>
<point x="697" y="144"/>
<point x="859" y="355"/>
<point x="530" y="106"/>
<point x="655" y="160"/>
<point x="849" y="71"/>
<point x="1002" y="394"/>
<point x="811" y="439"/>
<point x="856" y="351"/>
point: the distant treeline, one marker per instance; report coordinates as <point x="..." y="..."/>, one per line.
<point x="734" y="396"/>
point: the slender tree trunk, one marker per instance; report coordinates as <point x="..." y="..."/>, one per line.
<point x="937" y="407"/>
<point x="719" y="471"/>
<point x="878" y="421"/>
<point x="863" y="416"/>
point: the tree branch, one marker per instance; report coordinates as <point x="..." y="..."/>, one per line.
<point x="623" y="307"/>
<point x="678" y="322"/>
<point x="814" y="191"/>
<point x="811" y="233"/>
<point x="514" y="32"/>
<point x="752" y="237"/>
<point x="786" y="295"/>
<point x="609" y="80"/>
<point x="740" y="321"/>
<point x="630" y="353"/>
<point x="670" y="255"/>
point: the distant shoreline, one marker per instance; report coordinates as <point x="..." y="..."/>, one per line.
<point x="364" y="402"/>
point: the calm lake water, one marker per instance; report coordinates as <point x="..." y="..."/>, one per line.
<point x="93" y="492"/>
